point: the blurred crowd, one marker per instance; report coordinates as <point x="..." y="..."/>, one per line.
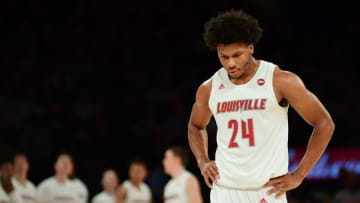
<point x="110" y="81"/>
<point x="63" y="185"/>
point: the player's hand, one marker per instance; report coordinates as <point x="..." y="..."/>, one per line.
<point x="209" y="170"/>
<point x="284" y="183"/>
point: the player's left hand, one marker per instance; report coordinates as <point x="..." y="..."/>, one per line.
<point x="284" y="183"/>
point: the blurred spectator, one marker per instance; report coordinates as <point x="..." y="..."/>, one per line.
<point x="24" y="187"/>
<point x="183" y="186"/>
<point x="109" y="182"/>
<point x="59" y="187"/>
<point x="8" y="194"/>
<point x="134" y="189"/>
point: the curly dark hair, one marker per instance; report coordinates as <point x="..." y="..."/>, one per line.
<point x="230" y="27"/>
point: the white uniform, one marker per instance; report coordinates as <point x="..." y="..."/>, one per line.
<point x="26" y="192"/>
<point x="52" y="191"/>
<point x="252" y="133"/>
<point x="13" y="197"/>
<point x="103" y="197"/>
<point x="175" y="189"/>
<point x="81" y="189"/>
<point x="134" y="195"/>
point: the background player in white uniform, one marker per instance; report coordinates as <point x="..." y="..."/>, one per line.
<point x="24" y="187"/>
<point x="58" y="188"/>
<point x="249" y="99"/>
<point x="183" y="186"/>
<point x="109" y="182"/>
<point x="7" y="190"/>
<point x="135" y="190"/>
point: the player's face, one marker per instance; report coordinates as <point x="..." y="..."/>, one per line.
<point x="169" y="161"/>
<point x="235" y="58"/>
<point x="137" y="173"/>
<point x="63" y="165"/>
<point x="21" y="164"/>
<point x="110" y="180"/>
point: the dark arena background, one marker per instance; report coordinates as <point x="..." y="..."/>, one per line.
<point x="110" y="80"/>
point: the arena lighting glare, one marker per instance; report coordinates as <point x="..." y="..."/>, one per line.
<point x="330" y="164"/>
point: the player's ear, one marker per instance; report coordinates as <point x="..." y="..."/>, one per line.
<point x="251" y="48"/>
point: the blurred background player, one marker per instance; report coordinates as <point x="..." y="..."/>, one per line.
<point x="25" y="188"/>
<point x="109" y="182"/>
<point x="59" y="188"/>
<point x="7" y="190"/>
<point x="135" y="190"/>
<point x="183" y="186"/>
<point x="80" y="187"/>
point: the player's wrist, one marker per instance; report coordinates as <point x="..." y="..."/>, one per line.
<point x="299" y="175"/>
<point x="201" y="162"/>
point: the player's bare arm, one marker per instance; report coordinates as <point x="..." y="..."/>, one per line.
<point x="288" y="87"/>
<point x="121" y="194"/>
<point x="198" y="138"/>
<point x="193" y="190"/>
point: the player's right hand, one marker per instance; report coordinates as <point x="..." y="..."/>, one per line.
<point x="209" y="170"/>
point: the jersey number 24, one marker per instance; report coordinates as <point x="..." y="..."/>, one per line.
<point x="235" y="125"/>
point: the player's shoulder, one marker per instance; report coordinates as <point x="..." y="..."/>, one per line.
<point x="79" y="183"/>
<point x="206" y="85"/>
<point x="98" y="197"/>
<point x="31" y="184"/>
<point x="145" y="186"/>
<point x="46" y="182"/>
<point x="283" y="78"/>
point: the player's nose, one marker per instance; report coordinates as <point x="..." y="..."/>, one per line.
<point x="231" y="63"/>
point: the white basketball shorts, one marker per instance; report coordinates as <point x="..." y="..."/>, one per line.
<point x="220" y="194"/>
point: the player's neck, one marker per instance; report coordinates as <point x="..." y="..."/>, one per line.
<point x="109" y="191"/>
<point x="61" y="178"/>
<point x="177" y="172"/>
<point x="248" y="73"/>
<point x="21" y="178"/>
<point x="136" y="184"/>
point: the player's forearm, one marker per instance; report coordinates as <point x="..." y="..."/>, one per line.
<point x="198" y="141"/>
<point x="318" y="142"/>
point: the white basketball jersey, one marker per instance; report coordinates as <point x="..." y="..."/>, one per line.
<point x="27" y="193"/>
<point x="103" y="197"/>
<point x="136" y="195"/>
<point x="175" y="189"/>
<point x="52" y="191"/>
<point x="252" y="133"/>
<point x="81" y="189"/>
<point x="3" y="196"/>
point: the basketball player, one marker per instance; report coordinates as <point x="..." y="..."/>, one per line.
<point x="58" y="188"/>
<point x="249" y="100"/>
<point x="135" y="190"/>
<point x="25" y="188"/>
<point x="109" y="182"/>
<point x="7" y="190"/>
<point x="183" y="186"/>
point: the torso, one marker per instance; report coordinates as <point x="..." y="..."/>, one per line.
<point x="27" y="192"/>
<point x="252" y="129"/>
<point x="81" y="190"/>
<point x="137" y="195"/>
<point x="56" y="192"/>
<point x="175" y="189"/>
<point x="103" y="197"/>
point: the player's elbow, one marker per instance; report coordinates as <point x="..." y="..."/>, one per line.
<point x="327" y="124"/>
